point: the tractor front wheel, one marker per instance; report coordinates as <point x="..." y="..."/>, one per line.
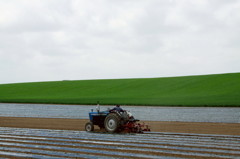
<point x="89" y="126"/>
<point x="112" y="123"/>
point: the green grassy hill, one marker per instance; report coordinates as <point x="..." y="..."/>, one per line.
<point x="205" y="90"/>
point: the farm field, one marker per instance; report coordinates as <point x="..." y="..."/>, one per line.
<point x="204" y="90"/>
<point x="32" y="137"/>
<point x="182" y="114"/>
<point x="43" y="143"/>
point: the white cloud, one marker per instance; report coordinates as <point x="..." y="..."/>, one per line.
<point x="78" y="39"/>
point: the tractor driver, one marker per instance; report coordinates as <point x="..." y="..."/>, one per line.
<point x="117" y="108"/>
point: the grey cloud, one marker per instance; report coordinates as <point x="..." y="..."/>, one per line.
<point x="78" y="39"/>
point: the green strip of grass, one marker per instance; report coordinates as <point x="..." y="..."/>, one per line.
<point x="205" y="90"/>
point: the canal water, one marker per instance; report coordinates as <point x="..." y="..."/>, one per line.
<point x="186" y="114"/>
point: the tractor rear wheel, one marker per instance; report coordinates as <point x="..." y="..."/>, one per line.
<point x="89" y="126"/>
<point x="112" y="122"/>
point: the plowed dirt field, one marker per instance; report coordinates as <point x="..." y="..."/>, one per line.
<point x="65" y="138"/>
<point x="44" y="143"/>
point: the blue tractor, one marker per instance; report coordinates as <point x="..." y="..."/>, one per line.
<point x="114" y="121"/>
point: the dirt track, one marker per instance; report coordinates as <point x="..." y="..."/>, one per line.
<point x="156" y="126"/>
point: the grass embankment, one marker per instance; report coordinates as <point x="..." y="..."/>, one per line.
<point x="205" y="90"/>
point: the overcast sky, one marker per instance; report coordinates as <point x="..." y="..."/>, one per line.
<point x="52" y="40"/>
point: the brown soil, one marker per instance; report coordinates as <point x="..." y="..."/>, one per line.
<point x="156" y="126"/>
